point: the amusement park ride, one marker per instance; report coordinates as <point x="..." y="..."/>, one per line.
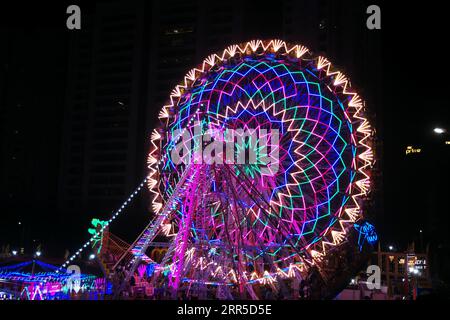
<point x="296" y="215"/>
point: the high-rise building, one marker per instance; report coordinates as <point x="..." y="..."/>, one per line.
<point x="103" y="124"/>
<point x="182" y="34"/>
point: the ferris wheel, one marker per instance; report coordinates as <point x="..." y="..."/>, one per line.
<point x="233" y="221"/>
<point x="259" y="174"/>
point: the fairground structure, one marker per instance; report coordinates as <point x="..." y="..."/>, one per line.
<point x="244" y="230"/>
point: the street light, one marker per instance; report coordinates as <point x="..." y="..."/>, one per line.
<point x="439" y="130"/>
<point x="414" y="270"/>
<point x="391" y="248"/>
<point x="38" y="253"/>
<point x="91" y="256"/>
<point x="14" y="252"/>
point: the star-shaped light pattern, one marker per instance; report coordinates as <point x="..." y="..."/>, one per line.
<point x="325" y="152"/>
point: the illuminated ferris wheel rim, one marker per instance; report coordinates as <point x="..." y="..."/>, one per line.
<point x="363" y="159"/>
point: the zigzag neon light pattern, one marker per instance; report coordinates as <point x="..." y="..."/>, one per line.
<point x="310" y="203"/>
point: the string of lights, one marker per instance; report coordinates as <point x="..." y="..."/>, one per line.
<point x="108" y="222"/>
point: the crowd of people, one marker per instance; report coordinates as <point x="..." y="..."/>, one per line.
<point x="134" y="290"/>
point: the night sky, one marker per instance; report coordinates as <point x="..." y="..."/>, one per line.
<point x="414" y="189"/>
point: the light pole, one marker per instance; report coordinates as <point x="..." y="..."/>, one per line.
<point x="22" y="236"/>
<point x="421" y="239"/>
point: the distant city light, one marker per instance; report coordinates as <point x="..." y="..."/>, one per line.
<point x="38" y="253"/>
<point x="439" y="130"/>
<point x="391" y="248"/>
<point x="91" y="256"/>
<point x="14" y="252"/>
<point x="19" y="223"/>
<point x="411" y="149"/>
<point x="447" y="142"/>
<point x="414" y="271"/>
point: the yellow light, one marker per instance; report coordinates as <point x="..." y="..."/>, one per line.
<point x="411" y="149"/>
